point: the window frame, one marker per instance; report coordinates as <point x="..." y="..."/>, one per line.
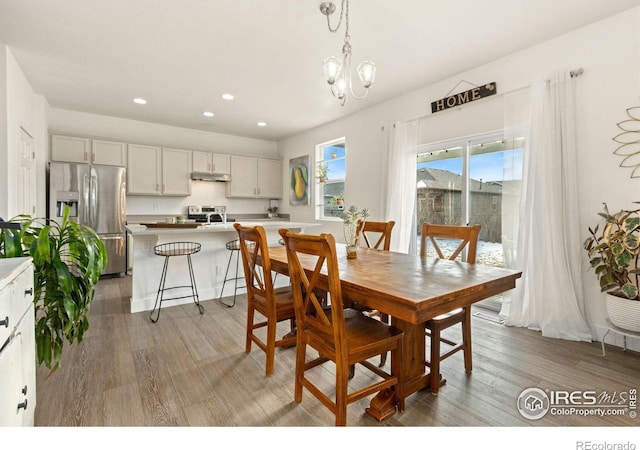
<point x="320" y="187"/>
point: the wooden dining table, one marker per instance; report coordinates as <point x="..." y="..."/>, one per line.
<point x="411" y="290"/>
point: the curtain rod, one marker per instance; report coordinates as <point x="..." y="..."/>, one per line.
<point x="573" y="74"/>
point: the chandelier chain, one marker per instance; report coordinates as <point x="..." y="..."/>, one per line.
<point x="333" y="30"/>
<point x="338" y="72"/>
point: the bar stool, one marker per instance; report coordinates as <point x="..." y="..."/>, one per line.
<point x="234" y="248"/>
<point x="176" y="249"/>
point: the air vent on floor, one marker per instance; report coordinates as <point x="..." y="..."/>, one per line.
<point x="490" y="317"/>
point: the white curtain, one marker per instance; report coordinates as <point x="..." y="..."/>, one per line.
<point x="401" y="184"/>
<point x="549" y="295"/>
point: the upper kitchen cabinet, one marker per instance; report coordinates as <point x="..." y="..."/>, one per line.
<point x="86" y="150"/>
<point x="70" y="149"/>
<point x="158" y="171"/>
<point x="207" y="162"/>
<point x="255" y="178"/>
<point x="144" y="170"/>
<point x="109" y="153"/>
<point x="176" y="172"/>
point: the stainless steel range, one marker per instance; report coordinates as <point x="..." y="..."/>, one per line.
<point x="208" y="214"/>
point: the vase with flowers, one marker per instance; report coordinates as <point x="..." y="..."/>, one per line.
<point x="353" y="219"/>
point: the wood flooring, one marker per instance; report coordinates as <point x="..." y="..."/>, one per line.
<point x="191" y="370"/>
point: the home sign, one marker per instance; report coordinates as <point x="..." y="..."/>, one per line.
<point x="464" y="97"/>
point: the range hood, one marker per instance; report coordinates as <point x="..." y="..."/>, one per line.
<point x="203" y="176"/>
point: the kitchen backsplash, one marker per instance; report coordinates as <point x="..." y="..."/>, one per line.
<point x="202" y="193"/>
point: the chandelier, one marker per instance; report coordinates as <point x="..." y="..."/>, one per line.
<point x="338" y="72"/>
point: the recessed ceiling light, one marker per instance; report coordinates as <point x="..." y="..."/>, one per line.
<point x="139" y="101"/>
<point x="227" y="96"/>
<point x="207" y="113"/>
<point x="262" y="124"/>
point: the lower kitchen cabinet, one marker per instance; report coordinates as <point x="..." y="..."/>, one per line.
<point x="17" y="343"/>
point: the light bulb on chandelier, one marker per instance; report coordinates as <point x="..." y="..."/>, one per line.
<point x="338" y="72"/>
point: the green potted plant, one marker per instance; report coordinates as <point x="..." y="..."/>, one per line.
<point x="350" y="218"/>
<point x="68" y="259"/>
<point x="322" y="171"/>
<point x="337" y="200"/>
<point x="614" y="254"/>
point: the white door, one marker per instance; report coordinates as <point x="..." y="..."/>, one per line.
<point x="26" y="175"/>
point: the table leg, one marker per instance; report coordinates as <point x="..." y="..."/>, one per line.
<point x="415" y="376"/>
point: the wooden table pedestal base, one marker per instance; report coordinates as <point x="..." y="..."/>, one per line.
<point x="383" y="405"/>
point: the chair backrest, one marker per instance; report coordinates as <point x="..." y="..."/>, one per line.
<point x="383" y="231"/>
<point x="318" y="252"/>
<point x="255" y="253"/>
<point x="467" y="234"/>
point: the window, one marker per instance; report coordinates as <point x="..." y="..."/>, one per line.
<point x="331" y="156"/>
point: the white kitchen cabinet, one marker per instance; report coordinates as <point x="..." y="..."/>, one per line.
<point x="70" y="149"/>
<point x="176" y="172"/>
<point x="158" y="171"/>
<point x="17" y="343"/>
<point x="144" y="170"/>
<point x="269" y="178"/>
<point x="207" y="162"/>
<point x="253" y="177"/>
<point x="109" y="153"/>
<point x="86" y="150"/>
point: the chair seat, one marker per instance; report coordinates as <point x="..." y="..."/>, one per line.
<point x="177" y="249"/>
<point x="445" y="316"/>
<point x="283" y="303"/>
<point x="363" y="335"/>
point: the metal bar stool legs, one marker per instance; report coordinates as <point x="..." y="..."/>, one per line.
<point x="176" y="249"/>
<point x="234" y="248"/>
<point x="226" y="274"/>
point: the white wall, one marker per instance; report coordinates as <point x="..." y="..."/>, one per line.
<point x="609" y="52"/>
<point x="20" y="107"/>
<point x="133" y="131"/>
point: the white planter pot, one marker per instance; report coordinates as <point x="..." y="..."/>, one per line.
<point x="623" y="313"/>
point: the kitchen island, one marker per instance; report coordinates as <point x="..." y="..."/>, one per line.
<point x="209" y="264"/>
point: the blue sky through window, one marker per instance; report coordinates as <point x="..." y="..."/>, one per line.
<point x="506" y="165"/>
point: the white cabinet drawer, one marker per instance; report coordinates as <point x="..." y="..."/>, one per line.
<point x="7" y="319"/>
<point x="15" y="299"/>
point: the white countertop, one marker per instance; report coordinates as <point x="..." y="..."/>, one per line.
<point x="269" y="224"/>
<point x="10" y="267"/>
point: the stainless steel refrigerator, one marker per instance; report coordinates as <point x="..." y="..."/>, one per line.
<point x="96" y="196"/>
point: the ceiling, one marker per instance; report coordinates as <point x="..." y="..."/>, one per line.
<point x="181" y="55"/>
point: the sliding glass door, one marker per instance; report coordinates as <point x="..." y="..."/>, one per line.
<point x="474" y="180"/>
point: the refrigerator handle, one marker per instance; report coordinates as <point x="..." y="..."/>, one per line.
<point x="86" y="198"/>
<point x="111" y="238"/>
<point x="94" y="200"/>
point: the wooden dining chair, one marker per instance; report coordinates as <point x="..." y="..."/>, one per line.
<point x="380" y="230"/>
<point x="341" y="335"/>
<point x="275" y="305"/>
<point x="468" y="237"/>
<point x="380" y="233"/>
